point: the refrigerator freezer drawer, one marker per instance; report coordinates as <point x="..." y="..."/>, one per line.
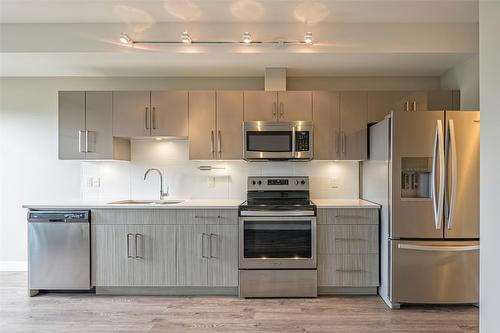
<point x="435" y="272"/>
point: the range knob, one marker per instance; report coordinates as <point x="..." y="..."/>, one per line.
<point x="303" y="182"/>
<point x="259" y="182"/>
<point x="253" y="182"/>
<point x="297" y="182"/>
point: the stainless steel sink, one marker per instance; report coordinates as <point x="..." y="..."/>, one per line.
<point x="146" y="202"/>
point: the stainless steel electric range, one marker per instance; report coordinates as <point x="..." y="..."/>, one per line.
<point x="277" y="239"/>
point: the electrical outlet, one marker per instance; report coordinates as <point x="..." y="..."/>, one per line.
<point x="211" y="182"/>
<point x="90" y="181"/>
<point x="333" y="182"/>
<point x="96" y="182"/>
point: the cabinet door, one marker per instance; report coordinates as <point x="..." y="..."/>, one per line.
<point x="99" y="124"/>
<point x="418" y="101"/>
<point x="381" y="103"/>
<point x="353" y="124"/>
<point x="223" y="252"/>
<point x="113" y="255"/>
<point x="295" y="106"/>
<point x="155" y="255"/>
<point x="192" y="255"/>
<point x="326" y="119"/>
<point x="169" y="113"/>
<point x="131" y="114"/>
<point x="230" y="125"/>
<point x="260" y="105"/>
<point x="71" y="125"/>
<point x="202" y="133"/>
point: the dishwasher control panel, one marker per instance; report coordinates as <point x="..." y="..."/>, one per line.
<point x="59" y="216"/>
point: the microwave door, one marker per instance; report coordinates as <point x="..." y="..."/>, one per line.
<point x="268" y="144"/>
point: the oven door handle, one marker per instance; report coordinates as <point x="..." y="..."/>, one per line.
<point x="293" y="141"/>
<point x="277" y="213"/>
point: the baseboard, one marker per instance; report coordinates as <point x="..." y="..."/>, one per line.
<point x="13" y="266"/>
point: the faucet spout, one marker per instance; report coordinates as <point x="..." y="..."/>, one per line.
<point x="162" y="193"/>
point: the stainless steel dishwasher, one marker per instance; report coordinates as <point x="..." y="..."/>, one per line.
<point x="59" y="250"/>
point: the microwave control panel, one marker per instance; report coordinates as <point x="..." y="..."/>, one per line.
<point x="302" y="141"/>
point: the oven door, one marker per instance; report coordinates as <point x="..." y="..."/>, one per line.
<point x="275" y="141"/>
<point x="277" y="242"/>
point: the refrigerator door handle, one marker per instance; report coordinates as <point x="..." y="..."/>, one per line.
<point x="438" y="248"/>
<point x="454" y="176"/>
<point x="438" y="154"/>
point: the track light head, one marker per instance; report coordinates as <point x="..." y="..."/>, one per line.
<point x="185" y="38"/>
<point x="308" y="38"/>
<point x="247" y="38"/>
<point x="125" y="39"/>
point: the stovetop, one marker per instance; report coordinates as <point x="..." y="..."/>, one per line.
<point x="269" y="204"/>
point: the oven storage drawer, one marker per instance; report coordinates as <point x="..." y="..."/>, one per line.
<point x="436" y="272"/>
<point x="348" y="239"/>
<point x="278" y="283"/>
<point x="355" y="270"/>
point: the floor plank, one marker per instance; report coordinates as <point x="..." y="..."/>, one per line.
<point x="93" y="313"/>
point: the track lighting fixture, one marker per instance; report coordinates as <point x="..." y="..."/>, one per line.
<point x="125" y="39"/>
<point x="185" y="38"/>
<point x="308" y="38"/>
<point x="247" y="38"/>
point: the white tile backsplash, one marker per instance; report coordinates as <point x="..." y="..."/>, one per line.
<point x="125" y="180"/>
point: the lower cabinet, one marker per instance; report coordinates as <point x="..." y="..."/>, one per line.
<point x="348" y="248"/>
<point x="207" y="255"/>
<point x="133" y="255"/>
<point x="199" y="250"/>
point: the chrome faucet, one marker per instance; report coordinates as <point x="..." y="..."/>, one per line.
<point x="162" y="194"/>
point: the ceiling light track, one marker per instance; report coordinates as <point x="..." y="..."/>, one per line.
<point x="246" y="40"/>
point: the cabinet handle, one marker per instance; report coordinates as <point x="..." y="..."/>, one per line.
<point x="344" y="142"/>
<point x="350" y="217"/>
<point x="153" y="117"/>
<point x="350" y="270"/>
<point x="87" y="149"/>
<point x="212" y="148"/>
<point x="407" y="106"/>
<point x="219" y="143"/>
<point x="146" y="118"/>
<point x="137" y="256"/>
<point x="80" y="150"/>
<point x="414" y="105"/>
<point x="208" y="217"/>
<point x="351" y="239"/>
<point x="282" y="109"/>
<point x="337" y="139"/>
<point x="128" y="246"/>
<point x="274" y="110"/>
<point x="210" y="245"/>
<point x="203" y="245"/>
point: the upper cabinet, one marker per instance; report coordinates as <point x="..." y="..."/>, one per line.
<point x="85" y="127"/>
<point x="381" y="103"/>
<point x="277" y="106"/>
<point x="145" y="113"/>
<point x="215" y="125"/>
<point x="340" y="125"/>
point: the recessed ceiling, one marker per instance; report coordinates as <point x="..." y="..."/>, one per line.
<point x="279" y="11"/>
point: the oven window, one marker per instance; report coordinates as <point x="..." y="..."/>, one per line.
<point x="278" y="141"/>
<point x="283" y="239"/>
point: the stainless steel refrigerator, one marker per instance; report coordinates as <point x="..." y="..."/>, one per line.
<point x="423" y="169"/>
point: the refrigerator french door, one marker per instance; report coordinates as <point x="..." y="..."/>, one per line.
<point x="435" y="207"/>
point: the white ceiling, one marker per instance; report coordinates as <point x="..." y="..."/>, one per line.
<point x="280" y="11"/>
<point x="352" y="38"/>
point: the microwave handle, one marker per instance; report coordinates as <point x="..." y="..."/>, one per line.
<point x="293" y="142"/>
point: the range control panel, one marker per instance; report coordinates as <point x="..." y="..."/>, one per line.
<point x="278" y="183"/>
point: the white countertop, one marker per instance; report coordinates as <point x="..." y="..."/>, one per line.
<point x="197" y="203"/>
<point x="344" y="203"/>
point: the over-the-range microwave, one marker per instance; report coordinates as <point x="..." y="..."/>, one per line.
<point x="266" y="140"/>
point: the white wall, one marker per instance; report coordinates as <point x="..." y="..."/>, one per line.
<point x="31" y="172"/>
<point x="464" y="77"/>
<point x="489" y="59"/>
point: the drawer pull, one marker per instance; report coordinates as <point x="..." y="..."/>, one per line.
<point x="350" y="217"/>
<point x="208" y="217"/>
<point x="352" y="239"/>
<point x="350" y="270"/>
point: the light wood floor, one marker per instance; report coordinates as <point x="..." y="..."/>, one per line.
<point x="91" y="313"/>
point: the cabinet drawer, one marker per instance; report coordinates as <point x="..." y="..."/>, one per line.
<point x="348" y="239"/>
<point x="207" y="216"/>
<point x="354" y="270"/>
<point x="348" y="216"/>
<point x="133" y="216"/>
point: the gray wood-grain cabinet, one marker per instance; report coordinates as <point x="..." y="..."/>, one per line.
<point x="85" y="127"/>
<point x="150" y="113"/>
<point x="340" y="125"/>
<point x="165" y="248"/>
<point x="278" y="105"/>
<point x="348" y="247"/>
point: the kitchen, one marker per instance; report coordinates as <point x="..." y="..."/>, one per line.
<point x="242" y="187"/>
